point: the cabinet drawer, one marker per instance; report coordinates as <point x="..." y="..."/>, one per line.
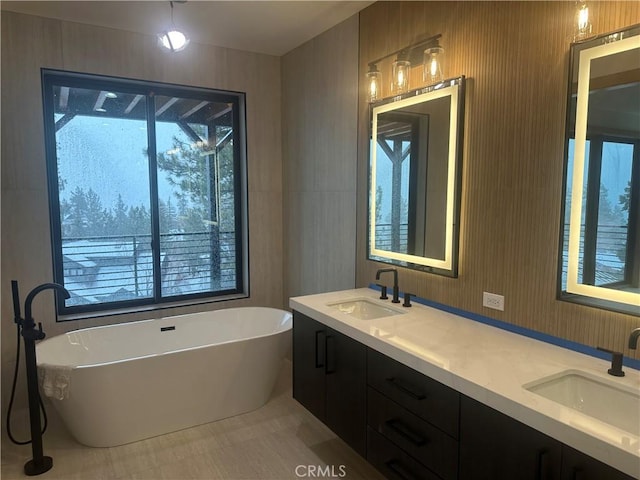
<point x="427" y="444"/>
<point x="427" y="398"/>
<point x="392" y="462"/>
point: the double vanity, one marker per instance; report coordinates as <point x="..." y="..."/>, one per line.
<point x="423" y="393"/>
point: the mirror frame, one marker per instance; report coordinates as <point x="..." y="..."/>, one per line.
<point x="455" y="88"/>
<point x="581" y="56"/>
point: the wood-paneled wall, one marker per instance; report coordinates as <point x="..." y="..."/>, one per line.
<point x="30" y="43"/>
<point x="320" y="118"/>
<point x="515" y="55"/>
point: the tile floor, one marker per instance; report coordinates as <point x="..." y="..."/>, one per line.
<point x="266" y="444"/>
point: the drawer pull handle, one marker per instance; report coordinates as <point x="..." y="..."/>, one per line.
<point x="399" y="470"/>
<point x="543" y="457"/>
<point x="405" y="432"/>
<point x="578" y="474"/>
<point x="398" y="384"/>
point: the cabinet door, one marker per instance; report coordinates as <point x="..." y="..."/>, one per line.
<point x="309" y="364"/>
<point x="346" y="399"/>
<point x="494" y="446"/>
<point x="578" y="466"/>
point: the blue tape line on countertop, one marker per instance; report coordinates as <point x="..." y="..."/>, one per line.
<point x="543" y="337"/>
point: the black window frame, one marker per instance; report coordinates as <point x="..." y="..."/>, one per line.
<point x="150" y="89"/>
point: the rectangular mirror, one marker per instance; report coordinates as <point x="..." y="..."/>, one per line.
<point x="414" y="178"/>
<point x="600" y="261"/>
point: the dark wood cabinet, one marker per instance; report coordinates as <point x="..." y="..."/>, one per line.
<point x="412" y="421"/>
<point x="410" y="426"/>
<point x="428" y="399"/>
<point x="393" y="462"/>
<point x="578" y="466"/>
<point x="309" y="364"/>
<point x="329" y="378"/>
<point x="419" y="439"/>
<point x="494" y="446"/>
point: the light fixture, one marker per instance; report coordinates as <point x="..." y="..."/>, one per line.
<point x="432" y="65"/>
<point x="173" y="39"/>
<point x="582" y="25"/>
<point x="426" y="52"/>
<point x="373" y="83"/>
<point x="400" y="73"/>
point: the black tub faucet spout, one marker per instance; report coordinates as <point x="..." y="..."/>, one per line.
<point x="396" y="290"/>
<point x="28" y="318"/>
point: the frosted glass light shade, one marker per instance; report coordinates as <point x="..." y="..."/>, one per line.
<point x="173" y="40"/>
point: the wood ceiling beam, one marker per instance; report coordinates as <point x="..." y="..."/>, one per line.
<point x="166" y="106"/>
<point x="188" y="113"/>
<point x="133" y="104"/>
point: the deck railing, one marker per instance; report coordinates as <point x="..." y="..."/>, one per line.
<point x="609" y="257"/>
<point x="112" y="268"/>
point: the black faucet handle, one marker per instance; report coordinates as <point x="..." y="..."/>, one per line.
<point x="407" y="299"/>
<point x="633" y="339"/>
<point x="383" y="291"/>
<point x="616" y="362"/>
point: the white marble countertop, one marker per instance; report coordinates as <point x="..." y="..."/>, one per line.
<point x="487" y="364"/>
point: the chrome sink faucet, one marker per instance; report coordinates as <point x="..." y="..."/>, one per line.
<point x="396" y="290"/>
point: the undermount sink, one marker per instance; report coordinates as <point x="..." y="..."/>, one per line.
<point x="364" y="309"/>
<point x="611" y="403"/>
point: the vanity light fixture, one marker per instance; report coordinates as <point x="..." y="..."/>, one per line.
<point x="582" y="25"/>
<point x="432" y="65"/>
<point x="373" y="83"/>
<point x="400" y="73"/>
<point x="427" y="52"/>
<point x="173" y="39"/>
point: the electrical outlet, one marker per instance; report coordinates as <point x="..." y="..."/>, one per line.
<point x="492" y="300"/>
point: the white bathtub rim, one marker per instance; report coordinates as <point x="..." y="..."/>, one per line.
<point x="286" y="317"/>
<point x="287" y="320"/>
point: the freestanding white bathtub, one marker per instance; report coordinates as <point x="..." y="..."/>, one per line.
<point x="132" y="381"/>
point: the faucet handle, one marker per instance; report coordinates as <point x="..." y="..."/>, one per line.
<point x="407" y="299"/>
<point x="616" y="362"/>
<point x="633" y="339"/>
<point x="383" y="291"/>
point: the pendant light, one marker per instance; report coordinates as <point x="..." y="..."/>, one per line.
<point x="173" y="39"/>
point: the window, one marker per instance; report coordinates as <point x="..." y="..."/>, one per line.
<point x="147" y="185"/>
